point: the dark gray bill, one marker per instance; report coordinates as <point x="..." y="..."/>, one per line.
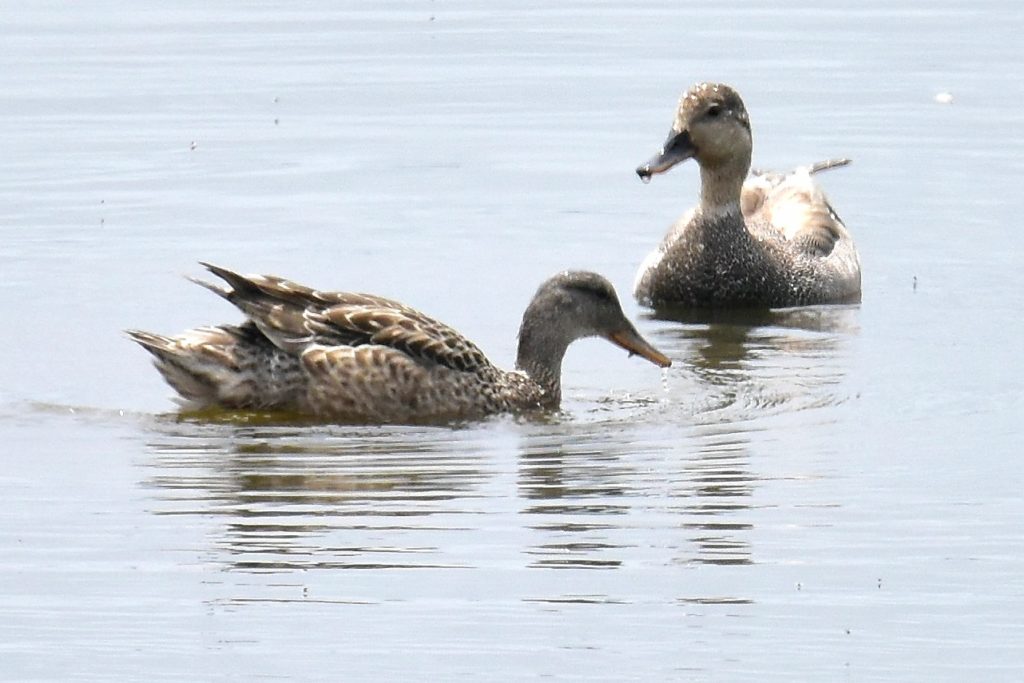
<point x="677" y="148"/>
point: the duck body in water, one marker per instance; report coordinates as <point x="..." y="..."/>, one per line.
<point x="363" y="358"/>
<point x="761" y="240"/>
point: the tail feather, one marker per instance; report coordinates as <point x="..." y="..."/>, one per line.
<point x="219" y="290"/>
<point x="227" y="366"/>
<point x="240" y="284"/>
<point x="251" y="366"/>
<point x="775" y="177"/>
<point x="828" y="164"/>
<point x="276" y="306"/>
<point x="191" y="375"/>
<point x="154" y="343"/>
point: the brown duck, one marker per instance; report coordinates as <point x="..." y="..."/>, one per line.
<point x="767" y="240"/>
<point x="363" y="358"/>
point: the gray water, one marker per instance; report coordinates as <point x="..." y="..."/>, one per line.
<point x="827" y="493"/>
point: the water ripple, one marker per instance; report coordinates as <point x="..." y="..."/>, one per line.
<point x="743" y="367"/>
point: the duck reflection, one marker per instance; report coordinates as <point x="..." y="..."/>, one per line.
<point x="574" y="488"/>
<point x="752" y="364"/>
<point x="748" y="367"/>
<point x="597" y="499"/>
<point x="291" y="499"/>
<point x="715" y="491"/>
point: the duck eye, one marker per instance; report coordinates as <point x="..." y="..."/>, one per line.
<point x="714" y="110"/>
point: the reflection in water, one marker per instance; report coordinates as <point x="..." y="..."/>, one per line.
<point x="752" y="364"/>
<point x="573" y="488"/>
<point x="738" y="370"/>
<point x="748" y="366"/>
<point x="293" y="497"/>
<point x="716" y="489"/>
<point x="593" y="495"/>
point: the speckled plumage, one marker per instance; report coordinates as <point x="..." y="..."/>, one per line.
<point x="364" y="358"/>
<point x="763" y="240"/>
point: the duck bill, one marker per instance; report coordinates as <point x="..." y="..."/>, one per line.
<point x="678" y="148"/>
<point x="630" y="340"/>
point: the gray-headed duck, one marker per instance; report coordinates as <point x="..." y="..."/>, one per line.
<point x="364" y="358"/>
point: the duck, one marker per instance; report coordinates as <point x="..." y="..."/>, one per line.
<point x="755" y="239"/>
<point x="362" y="358"/>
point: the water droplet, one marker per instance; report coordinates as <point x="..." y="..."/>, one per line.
<point x="645" y="178"/>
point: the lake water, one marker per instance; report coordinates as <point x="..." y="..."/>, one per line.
<point x="819" y="494"/>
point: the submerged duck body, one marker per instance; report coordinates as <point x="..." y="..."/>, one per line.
<point x="363" y="358"/>
<point x="753" y="240"/>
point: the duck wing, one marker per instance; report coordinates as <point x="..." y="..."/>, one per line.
<point x="402" y="329"/>
<point x="295" y="317"/>
<point x="794" y="206"/>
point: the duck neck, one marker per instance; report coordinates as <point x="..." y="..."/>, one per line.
<point x="721" y="185"/>
<point x="541" y="349"/>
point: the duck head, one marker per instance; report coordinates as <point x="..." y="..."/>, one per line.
<point x="570" y="306"/>
<point x="711" y="125"/>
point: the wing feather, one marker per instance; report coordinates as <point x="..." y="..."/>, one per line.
<point x="414" y="334"/>
<point x="795" y="207"/>
<point x="294" y="317"/>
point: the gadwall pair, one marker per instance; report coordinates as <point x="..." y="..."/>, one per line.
<point x="770" y="240"/>
<point x="364" y="358"/>
<point x="767" y="240"/>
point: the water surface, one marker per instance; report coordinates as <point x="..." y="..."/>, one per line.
<point x="812" y="494"/>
